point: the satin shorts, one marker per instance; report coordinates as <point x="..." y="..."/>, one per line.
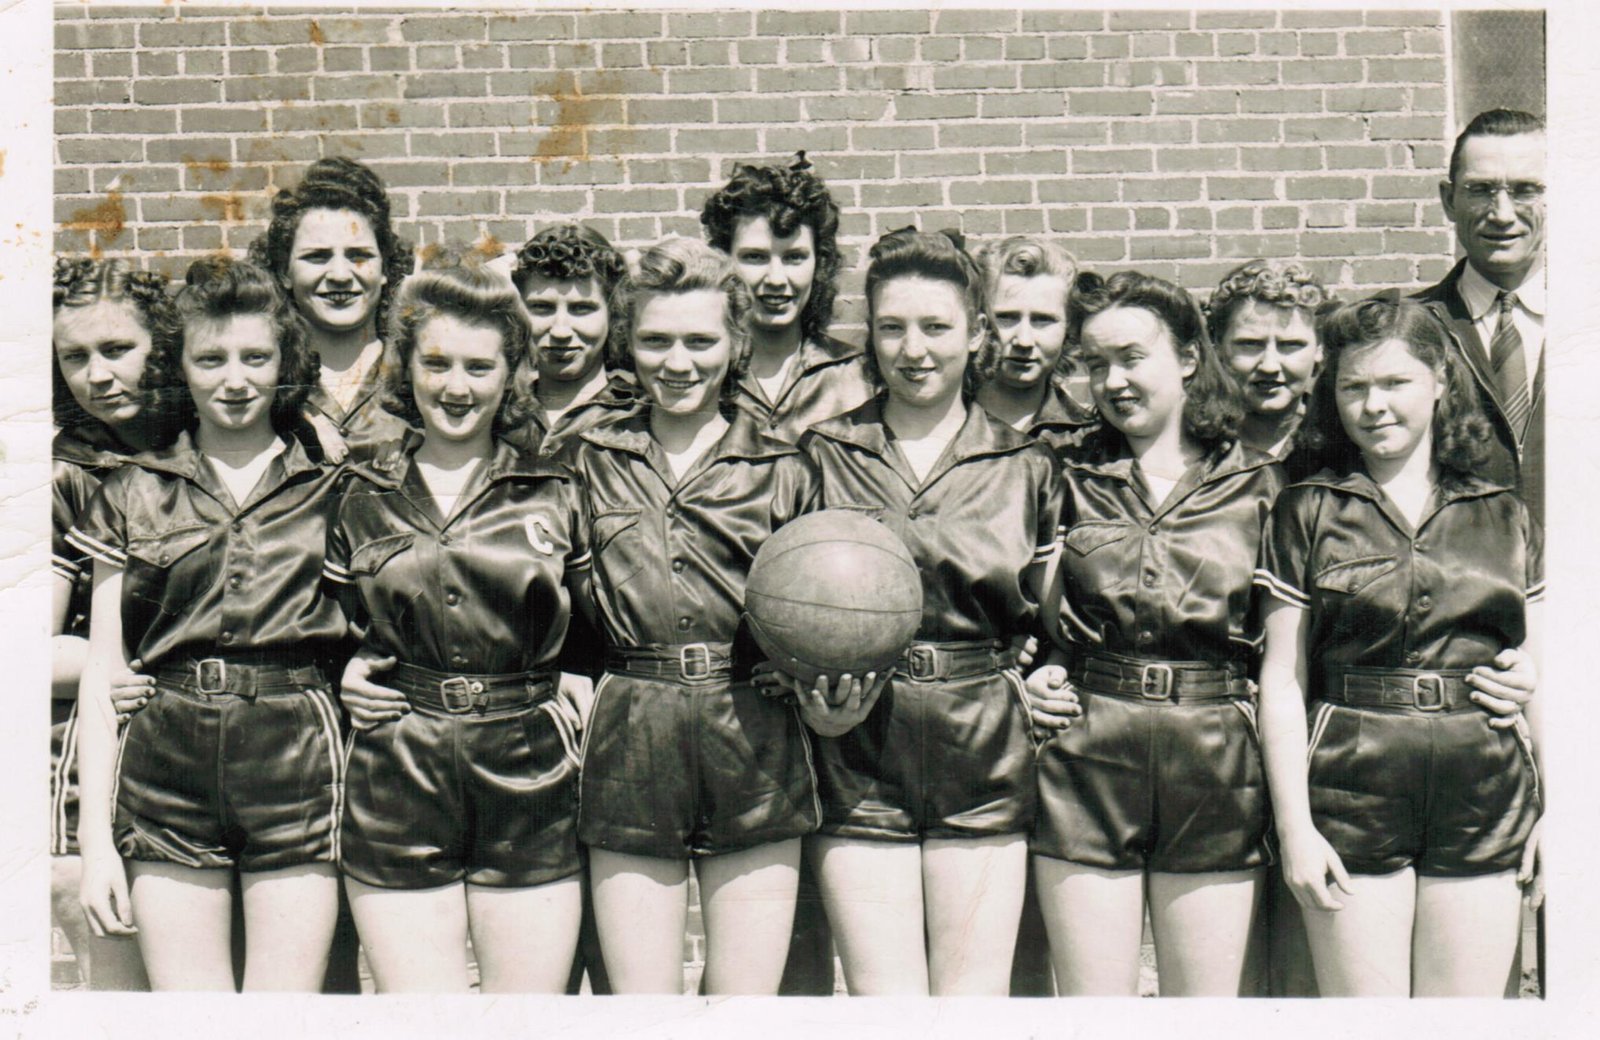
<point x="945" y="758"/>
<point x="682" y="769"/>
<point x="491" y="799"/>
<point x="1444" y="793"/>
<point x="1172" y="788"/>
<point x="63" y="778"/>
<point x="221" y="780"/>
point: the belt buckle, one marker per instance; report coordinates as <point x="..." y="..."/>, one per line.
<point x="922" y="662"/>
<point x="1423" y="682"/>
<point x="1155" y="682"/>
<point x="694" y="661"/>
<point x="462" y="695"/>
<point x="211" y="676"/>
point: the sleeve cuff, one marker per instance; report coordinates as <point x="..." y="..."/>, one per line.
<point x="105" y="553"/>
<point x="1281" y="590"/>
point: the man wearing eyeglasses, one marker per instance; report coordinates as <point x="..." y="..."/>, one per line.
<point x="1492" y="302"/>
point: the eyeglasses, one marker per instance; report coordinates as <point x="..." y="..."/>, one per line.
<point x="1484" y="194"/>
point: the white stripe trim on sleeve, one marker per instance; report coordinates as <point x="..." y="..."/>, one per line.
<point x="96" y="548"/>
<point x="336" y="574"/>
<point x="65" y="568"/>
<point x="581" y="562"/>
<point x="1534" y="594"/>
<point x="1280" y="589"/>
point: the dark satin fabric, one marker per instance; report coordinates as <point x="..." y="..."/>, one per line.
<point x="830" y="378"/>
<point x="1452" y="594"/>
<point x="202" y="575"/>
<point x="1168" y="581"/>
<point x="620" y="394"/>
<point x="366" y="421"/>
<point x="81" y="457"/>
<point x="670" y="558"/>
<point x="1063" y="421"/>
<point x="987" y="510"/>
<point x="478" y="593"/>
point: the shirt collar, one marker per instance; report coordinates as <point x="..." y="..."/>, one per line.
<point x="1479" y="294"/>
<point x="1060" y="409"/>
<point x="1106" y="453"/>
<point x="980" y="433"/>
<point x="182" y="457"/>
<point x="89" y="444"/>
<point x="391" y="461"/>
<point x="1356" y="481"/>
<point x="631" y="433"/>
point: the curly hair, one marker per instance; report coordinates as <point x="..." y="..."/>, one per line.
<point x="1461" y="434"/>
<point x="335" y="183"/>
<point x="215" y="289"/>
<point x="937" y="256"/>
<point x="1026" y="256"/>
<point x="789" y="197"/>
<point x="1212" y="408"/>
<point x="452" y="284"/>
<point x="82" y="282"/>
<point x="569" y="252"/>
<point x="681" y="265"/>
<point x="1280" y="284"/>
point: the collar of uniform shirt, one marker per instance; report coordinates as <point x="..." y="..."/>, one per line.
<point x="1479" y="294"/>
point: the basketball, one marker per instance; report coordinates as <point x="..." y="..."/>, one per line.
<point x="833" y="592"/>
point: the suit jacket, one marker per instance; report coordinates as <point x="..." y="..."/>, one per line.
<point x="1520" y="466"/>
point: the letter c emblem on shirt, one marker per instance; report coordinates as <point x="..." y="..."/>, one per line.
<point x="533" y="525"/>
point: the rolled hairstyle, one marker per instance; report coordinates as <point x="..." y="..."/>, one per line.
<point x="681" y="265"/>
<point x="938" y="256"/>
<point x="216" y="289"/>
<point x="1280" y="284"/>
<point x="569" y="252"/>
<point x="335" y="183"/>
<point x="1212" y="409"/>
<point x="788" y="196"/>
<point x="1026" y="257"/>
<point x="82" y="282"/>
<point x="1461" y="433"/>
<point x="453" y="284"/>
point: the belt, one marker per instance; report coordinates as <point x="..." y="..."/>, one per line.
<point x="933" y="661"/>
<point x="242" y="676"/>
<point x="675" y="662"/>
<point x="1142" y="679"/>
<point x="1437" y="691"/>
<point x="460" y="694"/>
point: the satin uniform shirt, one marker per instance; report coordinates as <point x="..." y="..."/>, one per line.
<point x="1450" y="594"/>
<point x="366" y="421"/>
<point x="828" y="379"/>
<point x="1062" y="421"/>
<point x="987" y="510"/>
<point x="619" y="395"/>
<point x="479" y="592"/>
<point x="81" y="457"/>
<point x="203" y="575"/>
<point x="671" y="557"/>
<point x="1167" y="581"/>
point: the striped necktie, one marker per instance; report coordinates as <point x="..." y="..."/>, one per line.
<point x="1510" y="366"/>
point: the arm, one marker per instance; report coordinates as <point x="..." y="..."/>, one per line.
<point x="104" y="888"/>
<point x="67" y="653"/>
<point x="1528" y="874"/>
<point x="1307" y="858"/>
<point x="1052" y="702"/>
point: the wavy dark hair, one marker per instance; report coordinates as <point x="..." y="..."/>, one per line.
<point x="1026" y="256"/>
<point x="1281" y="284"/>
<point x="82" y="282"/>
<point x="788" y="196"/>
<point x="681" y="265"/>
<point x="1496" y="122"/>
<point x="453" y="284"/>
<point x="935" y="255"/>
<point x="216" y="289"/>
<point x="342" y="184"/>
<point x="1212" y="407"/>
<point x="1461" y="434"/>
<point x="569" y="252"/>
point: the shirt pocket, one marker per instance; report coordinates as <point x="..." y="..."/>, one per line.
<point x="1349" y="577"/>
<point x="1096" y="556"/>
<point x="154" y="559"/>
<point x="870" y="510"/>
<point x="370" y="557"/>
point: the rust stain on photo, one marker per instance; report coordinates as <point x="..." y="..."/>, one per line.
<point x="229" y="207"/>
<point x="2" y="162"/>
<point x="108" y="218"/>
<point x="210" y="165"/>
<point x="489" y="247"/>
<point x="317" y="36"/>
<point x="567" y="140"/>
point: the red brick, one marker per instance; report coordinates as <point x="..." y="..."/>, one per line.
<point x="1241" y="188"/>
<point x="849" y="107"/>
<point x="457" y="203"/>
<point x="936" y="106"/>
<point x="980" y="135"/>
<point x="452" y="145"/>
<point x="1322" y="70"/>
<point x="133" y="121"/>
<point x="1280" y="100"/>
<point x="1297" y="19"/>
<point x="1374" y="43"/>
<point x="1325" y="128"/>
<point x="1405" y="70"/>
<point x="1125" y="21"/>
<point x="1111" y="103"/>
<point x="637" y="200"/>
<point x="531" y="27"/>
<point x="1057" y="74"/>
<point x="447" y="84"/>
<point x="1185" y="160"/>
<point x="1214" y="74"/>
<point x="357" y="88"/>
<point x="1024" y="164"/>
<point x="1024" y="48"/>
<point x="1235" y="19"/>
<point x="1067" y="48"/>
<point x="1154" y="131"/>
<point x="903" y="193"/>
<point x="941" y="164"/>
<point x="1239" y="131"/>
<point x="1109" y="46"/>
<point x="457" y="29"/>
<point x="1386" y="128"/>
<point x="892" y="138"/>
<point x="818" y="79"/>
<point x="318" y="117"/>
<point x="1170" y="247"/>
<point x="619" y="25"/>
<point x="179" y="91"/>
<point x="1161" y="189"/>
<point x="696" y="24"/>
<point x="1023" y="221"/>
<point x="223" y="120"/>
<point x="1196" y="102"/>
<point x="1318" y="188"/>
<point x="1121" y="160"/>
<point x="1236" y="218"/>
<point x="883" y="23"/>
<point x="1355" y="157"/>
<point x="982" y="48"/>
<point x="583" y="172"/>
<point x="1341" y="243"/>
<point x="1150" y="218"/>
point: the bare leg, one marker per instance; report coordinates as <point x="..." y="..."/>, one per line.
<point x="1095" y="919"/>
<point x="873" y="894"/>
<point x="184" y="920"/>
<point x="641" y="905"/>
<point x="289" y="916"/>
<point x="525" y="937"/>
<point x="1202" y="925"/>
<point x="973" y="891"/>
<point x="416" y="939"/>
<point x="748" y="897"/>
<point x="1466" y="934"/>
<point x="1364" y="950"/>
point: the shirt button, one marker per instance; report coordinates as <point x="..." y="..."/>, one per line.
<point x="677" y="566"/>
<point x="1149" y="581"/>
<point x="913" y="514"/>
<point x="684" y="623"/>
<point x="1147" y="636"/>
<point x="457" y="659"/>
<point x="235" y="581"/>
<point x="672" y="512"/>
<point x="1424" y="602"/>
<point x="1412" y="657"/>
<point x="1420" y="545"/>
<point x="226" y="638"/>
<point x="444" y="539"/>
<point x="162" y="558"/>
<point x="452" y="598"/>
<point x="236" y="527"/>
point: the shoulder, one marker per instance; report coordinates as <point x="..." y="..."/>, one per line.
<point x="1442" y="290"/>
<point x="863" y="421"/>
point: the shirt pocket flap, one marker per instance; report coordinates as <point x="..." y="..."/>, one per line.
<point x="870" y="510"/>
<point x="611" y="523"/>
<point x="1351" y="576"/>
<point x="1085" y="538"/>
<point x="168" y="547"/>
<point x="368" y="558"/>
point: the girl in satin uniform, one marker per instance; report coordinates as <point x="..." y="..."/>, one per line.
<point x="1395" y="581"/>
<point x="927" y="802"/>
<point x="456" y="550"/>
<point x="1157" y="786"/>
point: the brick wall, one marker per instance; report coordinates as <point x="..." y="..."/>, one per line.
<point x="1176" y="141"/>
